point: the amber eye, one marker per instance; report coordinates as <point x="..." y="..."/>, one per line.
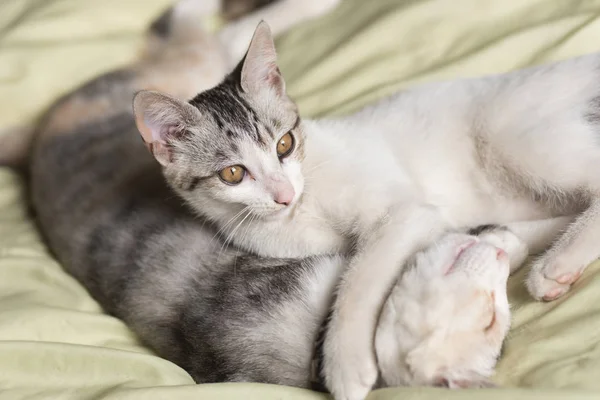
<point x="232" y="175"/>
<point x="285" y="145"/>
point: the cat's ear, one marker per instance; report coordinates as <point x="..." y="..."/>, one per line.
<point x="425" y="359"/>
<point x="259" y="67"/>
<point x="162" y="119"/>
<point x="431" y="358"/>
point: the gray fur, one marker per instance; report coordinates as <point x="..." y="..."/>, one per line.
<point x="117" y="227"/>
<point x="233" y="9"/>
<point x="113" y="222"/>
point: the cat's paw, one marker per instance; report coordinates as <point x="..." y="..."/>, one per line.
<point x="350" y="367"/>
<point x="196" y="7"/>
<point x="352" y="378"/>
<point x="552" y="277"/>
<point x="474" y="382"/>
<point x="315" y="8"/>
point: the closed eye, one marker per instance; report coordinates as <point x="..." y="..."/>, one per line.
<point x="492" y="321"/>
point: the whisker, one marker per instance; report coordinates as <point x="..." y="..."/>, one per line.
<point x="248" y="226"/>
<point x="230" y="237"/>
<point x="223" y="228"/>
<point x="316" y="166"/>
<point x="245" y="234"/>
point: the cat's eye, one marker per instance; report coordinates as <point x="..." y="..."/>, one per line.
<point x="492" y="320"/>
<point x="285" y="145"/>
<point x="232" y="175"/>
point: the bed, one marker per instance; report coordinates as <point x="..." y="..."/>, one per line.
<point x="55" y="341"/>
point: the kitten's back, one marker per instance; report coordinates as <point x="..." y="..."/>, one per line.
<point x="111" y="220"/>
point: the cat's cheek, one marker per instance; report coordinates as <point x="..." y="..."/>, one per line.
<point x="246" y="193"/>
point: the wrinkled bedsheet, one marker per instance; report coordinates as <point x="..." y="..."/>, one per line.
<point x="55" y="341"/>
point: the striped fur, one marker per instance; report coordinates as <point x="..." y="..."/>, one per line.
<point x="112" y="221"/>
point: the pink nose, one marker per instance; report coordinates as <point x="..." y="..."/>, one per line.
<point x="284" y="195"/>
<point x="500" y="253"/>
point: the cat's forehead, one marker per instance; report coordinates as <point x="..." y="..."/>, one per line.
<point x="236" y="117"/>
<point x="484" y="264"/>
<point x="467" y="258"/>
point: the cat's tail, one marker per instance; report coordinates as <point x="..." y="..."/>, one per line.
<point x="15" y="145"/>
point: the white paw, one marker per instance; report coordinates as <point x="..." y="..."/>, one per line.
<point x="316" y="8"/>
<point x="551" y="277"/>
<point x="350" y="367"/>
<point x="197" y="7"/>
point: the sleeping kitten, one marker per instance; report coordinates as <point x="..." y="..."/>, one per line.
<point x="218" y="312"/>
<point x="446" y="318"/>
<point x="387" y="180"/>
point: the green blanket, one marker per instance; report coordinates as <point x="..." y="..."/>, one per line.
<point x="56" y="343"/>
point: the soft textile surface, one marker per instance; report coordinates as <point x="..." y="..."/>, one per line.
<point x="54" y="340"/>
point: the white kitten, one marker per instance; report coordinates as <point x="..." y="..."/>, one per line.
<point x="446" y="318"/>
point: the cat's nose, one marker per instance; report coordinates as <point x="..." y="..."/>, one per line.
<point x="284" y="195"/>
<point x="500" y="254"/>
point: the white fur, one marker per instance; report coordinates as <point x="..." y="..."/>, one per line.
<point x="531" y="122"/>
<point x="520" y="148"/>
<point x="435" y="326"/>
<point x="447" y="155"/>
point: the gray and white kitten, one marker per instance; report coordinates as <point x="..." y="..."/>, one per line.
<point x="113" y="223"/>
<point x="221" y="313"/>
<point x="388" y="180"/>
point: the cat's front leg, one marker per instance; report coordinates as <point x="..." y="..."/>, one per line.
<point x="349" y="361"/>
<point x="552" y="275"/>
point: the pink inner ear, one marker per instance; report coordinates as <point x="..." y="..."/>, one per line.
<point x="174" y="132"/>
<point x="160" y="151"/>
<point x="275" y="80"/>
<point x="157" y="132"/>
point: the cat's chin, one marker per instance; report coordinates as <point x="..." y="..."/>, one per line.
<point x="283" y="212"/>
<point x="279" y="214"/>
<point x="276" y="215"/>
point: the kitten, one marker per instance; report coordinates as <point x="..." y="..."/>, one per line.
<point x="114" y="224"/>
<point x="446" y="318"/>
<point x="387" y="180"/>
<point x="220" y="313"/>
